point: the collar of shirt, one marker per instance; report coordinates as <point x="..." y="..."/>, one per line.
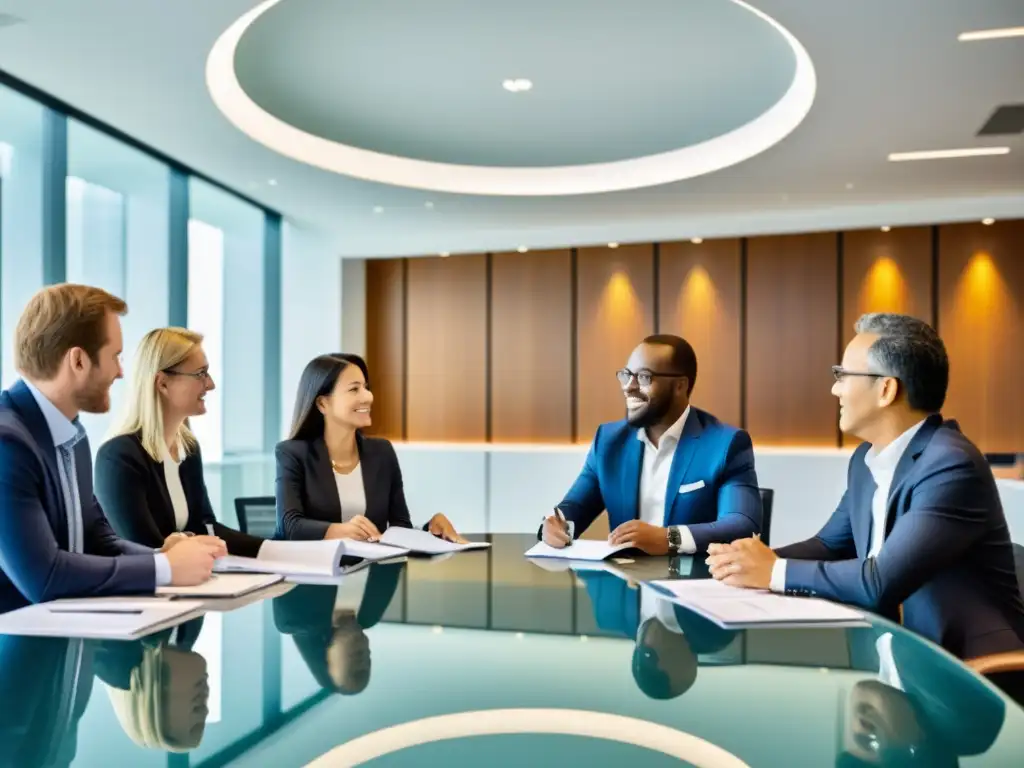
<point x="673" y="433"/>
<point x="884" y="462"/>
<point x="62" y="429"/>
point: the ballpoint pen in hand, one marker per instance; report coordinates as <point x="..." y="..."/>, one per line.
<point x="565" y="523"/>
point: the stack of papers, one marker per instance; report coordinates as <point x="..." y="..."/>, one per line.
<point x="98" y="617"/>
<point x="581" y="549"/>
<point x="310" y="558"/>
<point x="224" y="585"/>
<point x="736" y="608"/>
<point x="423" y="543"/>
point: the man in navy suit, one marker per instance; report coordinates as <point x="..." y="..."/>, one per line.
<point x="54" y="539"/>
<point x="673" y="478"/>
<point x="920" y="523"/>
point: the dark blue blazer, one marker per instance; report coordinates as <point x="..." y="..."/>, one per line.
<point x="35" y="565"/>
<point x="727" y="507"/>
<point x="947" y="556"/>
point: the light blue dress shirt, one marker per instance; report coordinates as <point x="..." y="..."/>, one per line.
<point x="66" y="435"/>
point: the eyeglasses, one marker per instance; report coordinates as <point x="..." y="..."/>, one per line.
<point x="203" y="374"/>
<point x="643" y="378"/>
<point x="839" y="373"/>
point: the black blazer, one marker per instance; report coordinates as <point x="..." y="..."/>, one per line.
<point x="306" y="611"/>
<point x="946" y="556"/>
<point x="307" y="494"/>
<point x="132" y="490"/>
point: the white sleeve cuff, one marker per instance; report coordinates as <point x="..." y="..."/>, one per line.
<point x="687" y="546"/>
<point x="778" y="582"/>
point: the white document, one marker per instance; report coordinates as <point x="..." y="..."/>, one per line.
<point x="99" y="618"/>
<point x="581" y="549"/>
<point x="222" y="585"/>
<point x="424" y="543"/>
<point x="309" y="558"/>
<point x="734" y="607"/>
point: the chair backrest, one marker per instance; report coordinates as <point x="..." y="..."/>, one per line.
<point x="767" y="499"/>
<point x="257" y="515"/>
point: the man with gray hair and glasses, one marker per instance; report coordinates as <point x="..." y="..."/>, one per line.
<point x="920" y="524"/>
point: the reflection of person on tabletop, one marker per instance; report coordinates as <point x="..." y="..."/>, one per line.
<point x="329" y="623"/>
<point x="158" y="687"/>
<point x="668" y="637"/>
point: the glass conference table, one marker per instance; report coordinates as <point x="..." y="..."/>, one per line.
<point x="485" y="658"/>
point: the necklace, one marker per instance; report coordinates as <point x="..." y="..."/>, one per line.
<point x="344" y="469"/>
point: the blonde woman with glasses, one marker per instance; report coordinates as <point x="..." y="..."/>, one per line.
<point x="149" y="476"/>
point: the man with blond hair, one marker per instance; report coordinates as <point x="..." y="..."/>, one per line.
<point x="55" y="541"/>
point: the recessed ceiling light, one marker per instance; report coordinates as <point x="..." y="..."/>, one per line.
<point x="696" y="240"/>
<point x="517" y="85"/>
<point x="428" y="204"/>
<point x="272" y="182"/>
<point x="849" y="185"/>
<point x="378" y="209"/>
<point x="990" y="34"/>
<point x="946" y="154"/>
<point x="613" y="245"/>
<point x="886" y="229"/>
<point x="444" y="254"/>
<point x="522" y="249"/>
<point x="988" y="222"/>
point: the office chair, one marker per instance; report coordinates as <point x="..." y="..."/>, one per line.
<point x="1005" y="670"/>
<point x="767" y="499"/>
<point x="257" y="515"/>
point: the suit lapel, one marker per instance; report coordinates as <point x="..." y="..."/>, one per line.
<point x="684" y="454"/>
<point x="170" y="522"/>
<point x="910" y="456"/>
<point x="629" y="475"/>
<point x="863" y="501"/>
<point x="36" y="425"/>
<point x="322" y="469"/>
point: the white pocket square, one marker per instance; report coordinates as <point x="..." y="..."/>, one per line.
<point x="687" y="487"/>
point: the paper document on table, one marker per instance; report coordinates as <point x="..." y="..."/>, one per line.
<point x="734" y="607"/>
<point x="221" y="585"/>
<point x="422" y="542"/>
<point x="326" y="558"/>
<point x="98" y="618"/>
<point x="581" y="549"/>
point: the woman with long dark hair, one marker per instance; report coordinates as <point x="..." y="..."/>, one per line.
<point x="332" y="481"/>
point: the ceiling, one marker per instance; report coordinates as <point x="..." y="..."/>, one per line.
<point x="612" y="81"/>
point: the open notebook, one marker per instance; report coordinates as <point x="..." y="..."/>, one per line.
<point x="329" y="558"/>
<point x="103" y="618"/>
<point x="424" y="543"/>
<point x="223" y="585"/>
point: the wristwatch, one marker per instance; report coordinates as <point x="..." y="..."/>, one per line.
<point x="675" y="541"/>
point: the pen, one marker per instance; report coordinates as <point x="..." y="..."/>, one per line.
<point x="558" y="513"/>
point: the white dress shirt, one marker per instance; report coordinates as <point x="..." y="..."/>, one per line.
<point x="351" y="493"/>
<point x="654" y="479"/>
<point x="172" y="474"/>
<point x="882" y="465"/>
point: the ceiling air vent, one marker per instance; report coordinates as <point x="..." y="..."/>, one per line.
<point x="1005" y="121"/>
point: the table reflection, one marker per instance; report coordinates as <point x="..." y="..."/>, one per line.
<point x="491" y="630"/>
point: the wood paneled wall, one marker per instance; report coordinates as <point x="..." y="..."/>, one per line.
<point x="446" y="357"/>
<point x="531" y="347"/>
<point x="615" y="310"/>
<point x="700" y="298"/>
<point x="981" y="319"/>
<point x="523" y="347"/>
<point x="792" y="306"/>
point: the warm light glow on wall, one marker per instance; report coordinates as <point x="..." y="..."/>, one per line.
<point x="884" y="288"/>
<point x="697" y="307"/>
<point x="983" y="300"/>
<point x="619" y="302"/>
